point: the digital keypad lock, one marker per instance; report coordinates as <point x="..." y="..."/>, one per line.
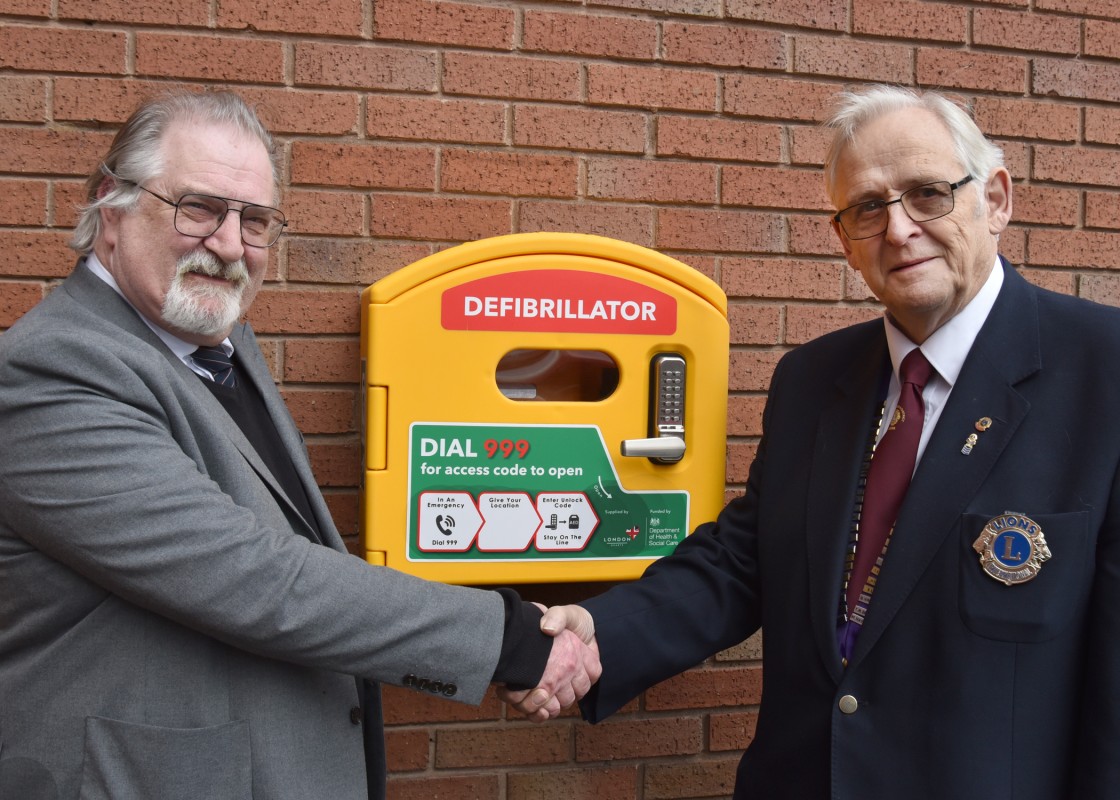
<point x="665" y="443"/>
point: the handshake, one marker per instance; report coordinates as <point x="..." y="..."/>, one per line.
<point x="573" y="665"/>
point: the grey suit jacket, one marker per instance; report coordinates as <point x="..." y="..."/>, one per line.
<point x="165" y="630"/>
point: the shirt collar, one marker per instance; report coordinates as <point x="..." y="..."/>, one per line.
<point x="947" y="348"/>
<point x="179" y="347"/>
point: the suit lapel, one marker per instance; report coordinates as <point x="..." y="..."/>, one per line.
<point x="841" y="441"/>
<point x="1006" y="351"/>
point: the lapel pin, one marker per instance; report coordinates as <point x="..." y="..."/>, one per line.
<point x="981" y="425"/>
<point x="1012" y="548"/>
<point x="969" y="443"/>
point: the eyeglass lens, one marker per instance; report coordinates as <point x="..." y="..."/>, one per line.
<point x="200" y="215"/>
<point x="922" y="204"/>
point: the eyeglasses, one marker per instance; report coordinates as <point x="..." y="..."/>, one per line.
<point x="200" y="215"/>
<point x="922" y="204"/>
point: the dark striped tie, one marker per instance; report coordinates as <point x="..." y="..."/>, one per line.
<point x="219" y="364"/>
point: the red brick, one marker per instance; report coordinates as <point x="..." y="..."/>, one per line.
<point x="303" y="111"/>
<point x="782" y="278"/>
<point x="365" y="66"/>
<point x="23" y="202"/>
<point x="580" y="129"/>
<point x="778" y="98"/>
<point x="651" y="87"/>
<point x="1066" y="248"/>
<point x="322" y="361"/>
<point x="454" y="219"/>
<point x="511" y="173"/>
<point x="65" y="199"/>
<point x="590" y="34"/>
<point x="639" y="738"/>
<point x="445" y="23"/>
<point x="724" y="45"/>
<point x="744" y="415"/>
<point x="1102" y="38"/>
<point x="809" y="146"/>
<point x="334" y="464"/>
<point x="370" y="166"/>
<point x="1101" y="289"/>
<point x="36" y="254"/>
<point x="435" y="119"/>
<point x="804" y="323"/>
<point x="827" y="15"/>
<point x="731" y="731"/>
<point x="513" y="77"/>
<point x="322" y="411"/>
<point x="629" y="223"/>
<point x="845" y="57"/>
<point x="1045" y="205"/>
<point x="707" y="688"/>
<point x="855" y="287"/>
<point x="962" y="69"/>
<point x="1013" y="244"/>
<point x="907" y="19"/>
<point x="25" y="47"/>
<point x="456" y="787"/>
<point x="1016" y="157"/>
<point x="26" y="8"/>
<point x="1071" y="78"/>
<point x="739" y="458"/>
<point x="323" y="212"/>
<point x="407" y="750"/>
<point x="1092" y="8"/>
<point x="16" y="299"/>
<point x="194" y="13"/>
<point x="719" y="230"/>
<point x="301" y="17"/>
<point x="1102" y="125"/>
<point x="409" y="707"/>
<point x="100" y="99"/>
<point x="1064" y="282"/>
<point x="1028" y="119"/>
<point x="589" y="783"/>
<point x="750" y="649"/>
<point x="1102" y="210"/>
<point x="719" y="139"/>
<point x="22" y="99"/>
<point x="751" y="370"/>
<point x="752" y="323"/>
<point x="762" y="187"/>
<point x="1024" y="31"/>
<point x="507" y="746"/>
<point x="1077" y="165"/>
<point x="813" y="235"/>
<point x="651" y="181"/>
<point x="361" y="261"/>
<point x="226" y="58"/>
<point x="280" y="310"/>
<point x="707" y="778"/>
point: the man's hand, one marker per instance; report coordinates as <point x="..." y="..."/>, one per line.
<point x="573" y="665"/>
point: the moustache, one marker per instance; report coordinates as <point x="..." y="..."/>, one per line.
<point x="207" y="263"/>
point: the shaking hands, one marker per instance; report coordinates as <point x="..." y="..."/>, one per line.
<point x="573" y="665"/>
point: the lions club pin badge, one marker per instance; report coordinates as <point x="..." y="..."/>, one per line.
<point x="1012" y="548"/>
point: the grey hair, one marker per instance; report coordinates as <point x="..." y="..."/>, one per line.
<point x="977" y="155"/>
<point x="136" y="157"/>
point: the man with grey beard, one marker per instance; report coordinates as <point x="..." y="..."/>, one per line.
<point x="180" y="617"/>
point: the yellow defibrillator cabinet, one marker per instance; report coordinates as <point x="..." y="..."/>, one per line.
<point x="540" y="407"/>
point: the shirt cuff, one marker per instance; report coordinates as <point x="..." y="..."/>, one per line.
<point x="525" y="649"/>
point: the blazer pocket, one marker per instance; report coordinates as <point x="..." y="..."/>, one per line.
<point x="125" y="759"/>
<point x="1036" y="610"/>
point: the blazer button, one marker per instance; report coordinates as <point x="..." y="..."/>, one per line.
<point x="355" y="716"/>
<point x="848" y="704"/>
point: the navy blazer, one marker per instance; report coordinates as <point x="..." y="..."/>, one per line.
<point x="960" y="686"/>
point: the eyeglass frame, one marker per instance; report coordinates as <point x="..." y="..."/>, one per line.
<point x="222" y="217"/>
<point x="888" y="203"/>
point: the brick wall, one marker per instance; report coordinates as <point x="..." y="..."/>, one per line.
<point x="688" y="126"/>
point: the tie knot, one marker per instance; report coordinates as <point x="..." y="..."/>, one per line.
<point x="217" y="362"/>
<point x="915" y="369"/>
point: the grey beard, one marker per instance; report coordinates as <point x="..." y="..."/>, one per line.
<point x="183" y="308"/>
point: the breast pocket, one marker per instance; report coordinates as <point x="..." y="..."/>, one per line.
<point x="125" y="760"/>
<point x="1034" y="610"/>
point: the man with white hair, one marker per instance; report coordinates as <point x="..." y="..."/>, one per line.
<point x="930" y="534"/>
<point x="180" y="618"/>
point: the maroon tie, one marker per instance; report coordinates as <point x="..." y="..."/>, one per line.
<point x="889" y="475"/>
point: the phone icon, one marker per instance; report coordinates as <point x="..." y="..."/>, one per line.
<point x="445" y="524"/>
